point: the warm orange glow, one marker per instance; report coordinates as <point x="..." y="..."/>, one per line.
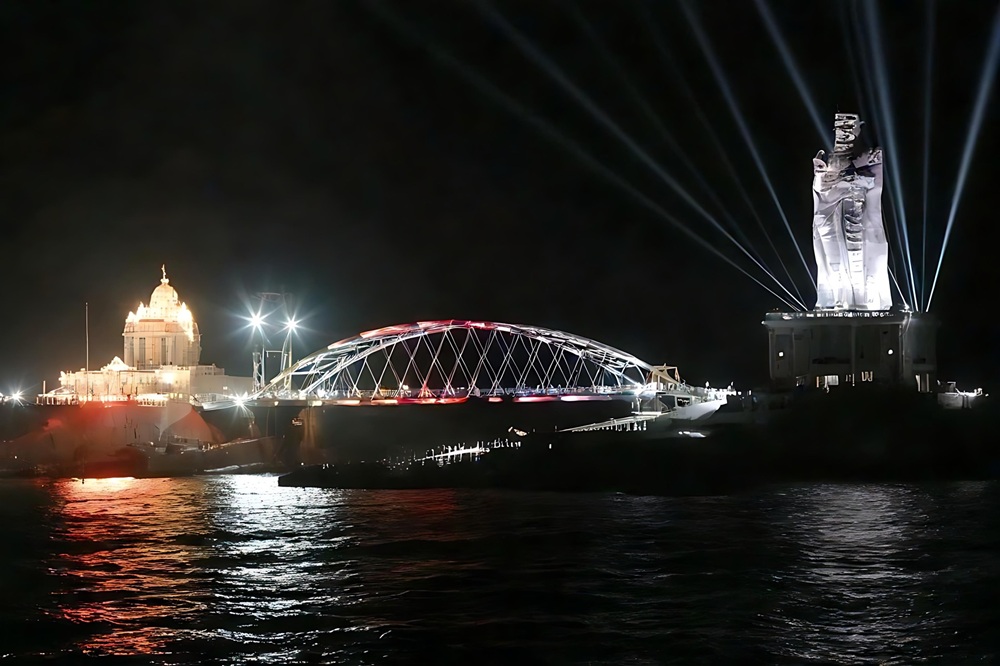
<point x="417" y="401"/>
<point x="115" y="529"/>
<point x="101" y="487"/>
<point x="430" y="401"/>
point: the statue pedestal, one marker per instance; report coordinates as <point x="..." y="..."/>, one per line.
<point x="823" y="348"/>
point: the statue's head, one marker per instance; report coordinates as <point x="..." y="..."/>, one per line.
<point x="846" y="130"/>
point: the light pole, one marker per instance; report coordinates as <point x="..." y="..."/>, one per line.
<point x="271" y="304"/>
<point x="86" y="319"/>
<point x="286" y="357"/>
<point x="257" y="326"/>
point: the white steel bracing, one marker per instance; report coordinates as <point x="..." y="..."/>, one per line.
<point x="455" y="359"/>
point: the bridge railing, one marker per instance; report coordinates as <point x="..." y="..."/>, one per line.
<point x="699" y="393"/>
<point x="455" y="392"/>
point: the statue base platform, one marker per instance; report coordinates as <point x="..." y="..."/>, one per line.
<point x="821" y="348"/>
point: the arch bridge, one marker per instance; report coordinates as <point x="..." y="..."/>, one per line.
<point x="451" y="361"/>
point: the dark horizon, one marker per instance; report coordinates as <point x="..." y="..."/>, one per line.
<point x="320" y="151"/>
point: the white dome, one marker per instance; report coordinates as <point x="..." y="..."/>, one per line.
<point x="164" y="297"/>
<point x="161" y="333"/>
<point x="164" y="305"/>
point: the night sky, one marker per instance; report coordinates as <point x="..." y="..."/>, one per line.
<point x="332" y="150"/>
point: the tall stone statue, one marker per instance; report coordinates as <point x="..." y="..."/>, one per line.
<point x="852" y="254"/>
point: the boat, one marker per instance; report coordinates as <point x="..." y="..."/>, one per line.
<point x="185" y="457"/>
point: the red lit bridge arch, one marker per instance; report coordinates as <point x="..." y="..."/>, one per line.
<point x="451" y="361"/>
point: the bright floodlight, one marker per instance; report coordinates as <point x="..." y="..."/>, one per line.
<point x="256" y="320"/>
<point x="291" y="325"/>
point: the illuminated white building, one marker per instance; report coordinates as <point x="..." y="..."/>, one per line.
<point x="854" y="335"/>
<point x="161" y="333"/>
<point x="162" y="353"/>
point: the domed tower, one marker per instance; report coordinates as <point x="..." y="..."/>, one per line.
<point x="163" y="333"/>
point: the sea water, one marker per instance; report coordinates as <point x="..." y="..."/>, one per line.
<point x="236" y="570"/>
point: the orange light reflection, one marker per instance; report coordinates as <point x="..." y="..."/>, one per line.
<point x="124" y="540"/>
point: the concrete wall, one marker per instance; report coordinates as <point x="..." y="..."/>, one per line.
<point x="890" y="349"/>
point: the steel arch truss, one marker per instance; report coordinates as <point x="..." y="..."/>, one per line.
<point x="454" y="359"/>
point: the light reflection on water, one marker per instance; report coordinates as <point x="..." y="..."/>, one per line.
<point x="128" y="555"/>
<point x="235" y="569"/>
<point x="857" y="589"/>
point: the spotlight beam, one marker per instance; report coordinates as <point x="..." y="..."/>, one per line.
<point x="892" y="274"/>
<point x="850" y="48"/>
<point x="928" y="85"/>
<point x="885" y="110"/>
<point x="793" y="70"/>
<point x="654" y="119"/>
<point x="891" y="267"/>
<point x="550" y="132"/>
<point x="668" y="58"/>
<point x="720" y="79"/>
<point x="554" y="72"/>
<point x="863" y="92"/>
<point x="975" y="124"/>
<point x="890" y="212"/>
<point x="870" y="111"/>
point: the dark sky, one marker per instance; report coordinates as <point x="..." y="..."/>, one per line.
<point x="321" y="149"/>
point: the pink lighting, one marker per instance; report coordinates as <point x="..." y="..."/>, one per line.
<point x="457" y="363"/>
